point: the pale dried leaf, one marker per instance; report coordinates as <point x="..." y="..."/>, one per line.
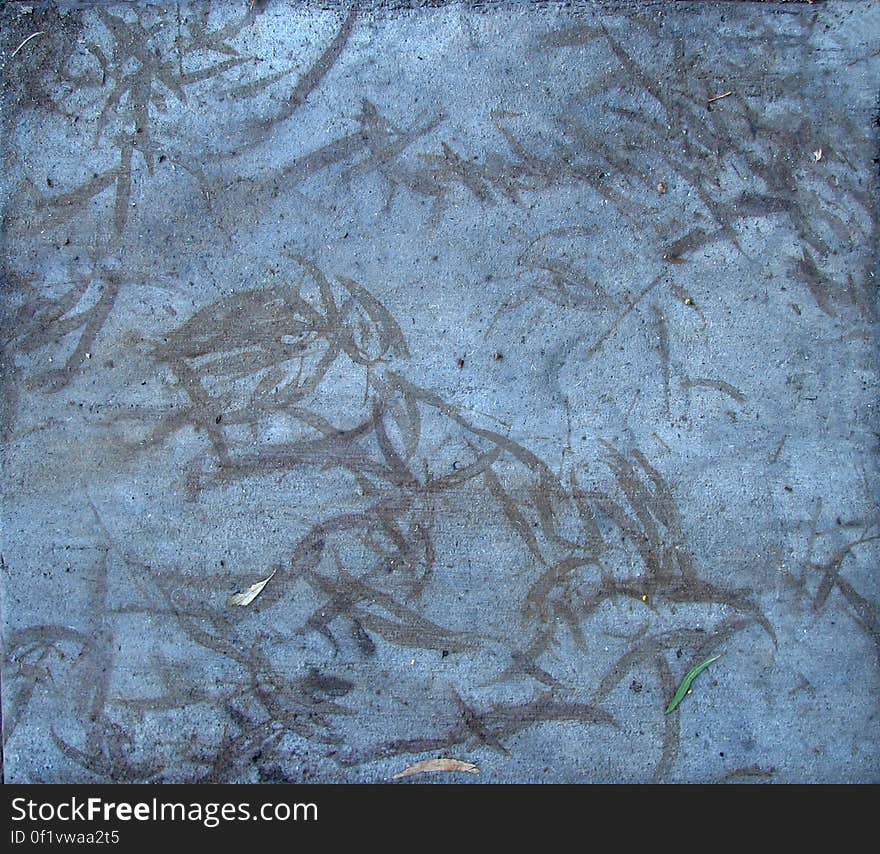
<point x="248" y="596"/>
<point x="428" y="765"/>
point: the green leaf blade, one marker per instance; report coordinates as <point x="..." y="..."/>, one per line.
<point x="686" y="683"/>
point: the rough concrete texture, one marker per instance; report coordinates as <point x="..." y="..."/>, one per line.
<point x="531" y="351"/>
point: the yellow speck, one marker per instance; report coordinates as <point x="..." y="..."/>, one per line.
<point x="688" y="301"/>
<point x="645" y="597"/>
<point x="690" y="690"/>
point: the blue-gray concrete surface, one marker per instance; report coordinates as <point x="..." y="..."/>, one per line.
<point x="531" y="347"/>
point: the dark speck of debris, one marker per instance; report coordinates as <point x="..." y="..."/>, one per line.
<point x="444" y="653"/>
<point x="459" y="362"/>
<point x="218" y="419"/>
<point x="636" y="687"/>
<point x="788" y="489"/>
<point x="678" y="653"/>
<point x="498" y="357"/>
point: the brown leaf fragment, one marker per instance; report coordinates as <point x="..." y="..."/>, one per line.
<point x="428" y="765"/>
<point x="245" y="597"/>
